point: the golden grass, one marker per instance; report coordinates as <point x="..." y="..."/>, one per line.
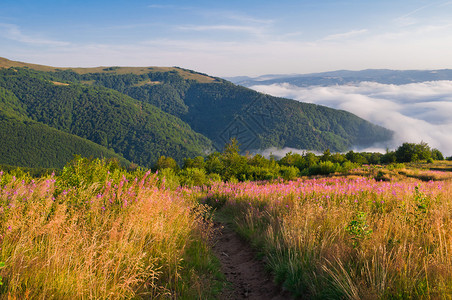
<point x="60" y="83"/>
<point x="6" y="63"/>
<point x="147" y="82"/>
<point x="124" y="240"/>
<point x="350" y="238"/>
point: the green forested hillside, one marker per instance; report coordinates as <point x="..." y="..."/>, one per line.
<point x="266" y="121"/>
<point x="138" y="131"/>
<point x="27" y="143"/>
<point x="11" y="106"/>
<point x="36" y="145"/>
<point x="221" y="110"/>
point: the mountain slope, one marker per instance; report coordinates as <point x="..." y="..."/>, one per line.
<point x="264" y="121"/>
<point x="138" y="131"/>
<point x="27" y="143"/>
<point x="221" y="110"/>
<point x="32" y="144"/>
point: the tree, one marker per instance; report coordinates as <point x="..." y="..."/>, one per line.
<point x="232" y="148"/>
<point x="166" y="163"/>
<point x="389" y="157"/>
<point x="410" y="152"/>
<point x="310" y="160"/>
<point x="326" y="155"/>
<point x="355" y="157"/>
<point x="197" y="162"/>
<point x="213" y="164"/>
<point x="234" y="163"/>
<point x="437" y="155"/>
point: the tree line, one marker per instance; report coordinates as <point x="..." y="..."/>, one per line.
<point x="230" y="165"/>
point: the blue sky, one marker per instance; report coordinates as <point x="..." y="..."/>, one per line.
<point x="230" y="38"/>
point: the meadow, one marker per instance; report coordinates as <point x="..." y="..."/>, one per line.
<point x="348" y="237"/>
<point x="97" y="231"/>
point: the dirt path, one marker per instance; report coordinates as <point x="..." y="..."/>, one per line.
<point x="248" y="277"/>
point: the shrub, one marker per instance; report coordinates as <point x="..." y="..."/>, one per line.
<point x="289" y="173"/>
<point x="193" y="177"/>
<point x="166" y="162"/>
<point x="437" y="155"/>
<point x="410" y="152"/>
<point x="169" y="179"/>
<point x="324" y="168"/>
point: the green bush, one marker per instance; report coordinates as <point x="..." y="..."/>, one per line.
<point x="437" y="155"/>
<point x="81" y="172"/>
<point x="169" y="179"/>
<point x="213" y="177"/>
<point x="410" y="152"/>
<point x="347" y="166"/>
<point x="166" y="162"/>
<point x="289" y="173"/>
<point x="324" y="168"/>
<point x="193" y="177"/>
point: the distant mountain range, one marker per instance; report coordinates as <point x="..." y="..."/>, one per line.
<point x="138" y="114"/>
<point x="347" y="77"/>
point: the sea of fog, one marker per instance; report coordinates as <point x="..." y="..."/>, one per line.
<point x="415" y="112"/>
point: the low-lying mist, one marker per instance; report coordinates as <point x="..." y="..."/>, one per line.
<point x="415" y="112"/>
<point x="279" y="153"/>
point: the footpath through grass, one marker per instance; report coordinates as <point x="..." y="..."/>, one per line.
<point x="347" y="237"/>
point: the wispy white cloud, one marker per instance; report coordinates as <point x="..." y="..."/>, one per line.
<point x="419" y="15"/>
<point x="162" y="6"/>
<point x="13" y="32"/>
<point x="446" y="3"/>
<point x="235" y="28"/>
<point x="128" y="26"/>
<point x="416" y="112"/>
<point x="224" y="21"/>
<point x="248" y="19"/>
<point x="345" y="35"/>
<point x="407" y="19"/>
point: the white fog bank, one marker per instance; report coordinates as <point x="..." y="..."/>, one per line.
<point x="415" y="112"/>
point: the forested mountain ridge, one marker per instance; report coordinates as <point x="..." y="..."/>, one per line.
<point x="221" y="110"/>
<point x="27" y="143"/>
<point x="138" y="131"/>
<point x="186" y="74"/>
<point x="142" y="113"/>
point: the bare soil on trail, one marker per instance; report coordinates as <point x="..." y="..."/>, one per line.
<point x="247" y="276"/>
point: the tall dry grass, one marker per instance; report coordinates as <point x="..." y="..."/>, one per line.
<point x="117" y="238"/>
<point x="351" y="238"/>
